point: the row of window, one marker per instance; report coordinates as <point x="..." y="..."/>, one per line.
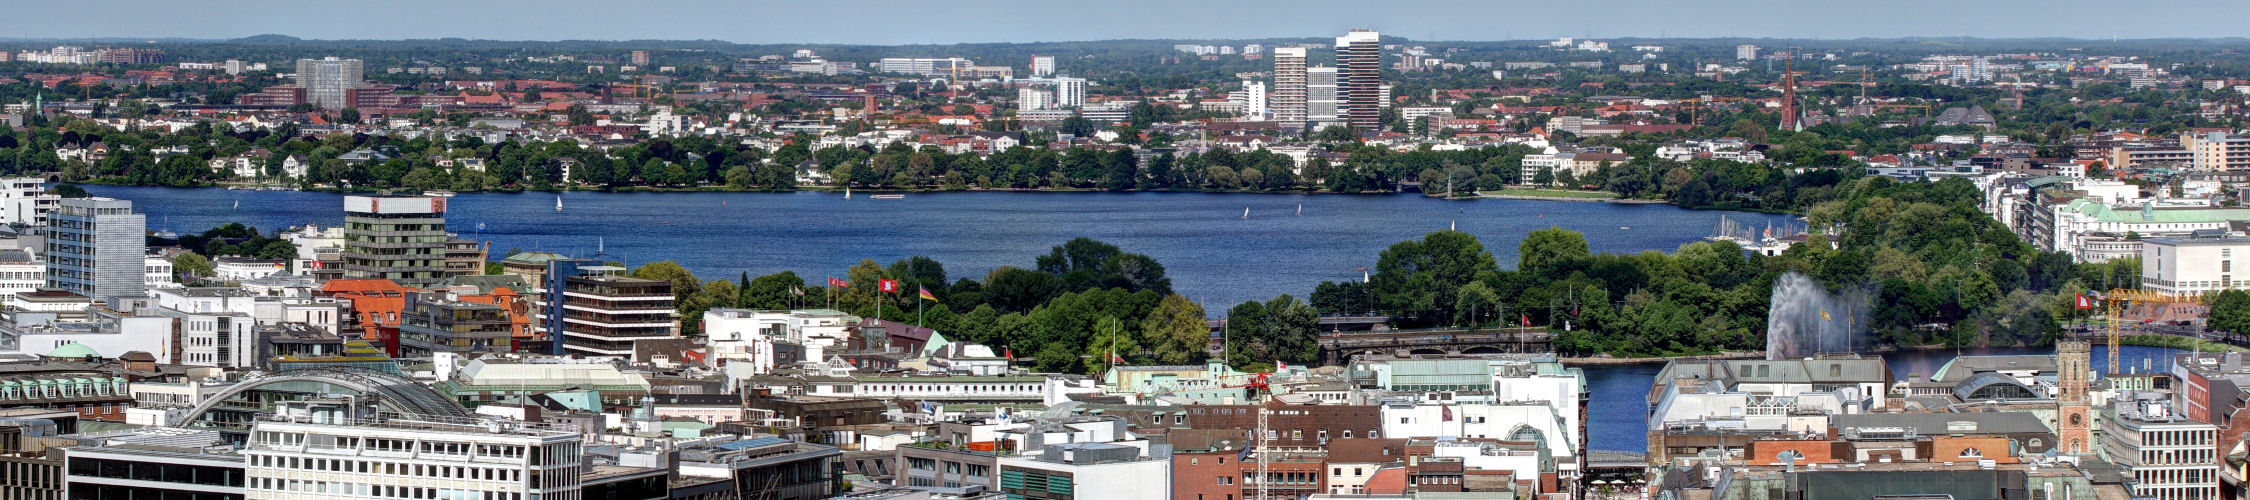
<point x="381" y="490"/>
<point x="507" y="475"/>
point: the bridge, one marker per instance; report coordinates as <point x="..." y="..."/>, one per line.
<point x="1338" y="347"/>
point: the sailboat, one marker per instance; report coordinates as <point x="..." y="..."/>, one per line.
<point x="558" y="203"/>
<point x="847" y="192"/>
<point x="237" y="204"/>
<point x="1245" y="213"/>
<point x="1300" y="210"/>
<point x="601" y="245"/>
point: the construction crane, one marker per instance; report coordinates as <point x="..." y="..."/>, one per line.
<point x="2119" y="296"/>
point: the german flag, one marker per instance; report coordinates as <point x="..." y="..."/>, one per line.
<point x="927" y="296"/>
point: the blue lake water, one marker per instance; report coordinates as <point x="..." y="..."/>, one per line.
<point x="1618" y="415"/>
<point x="1211" y="252"/>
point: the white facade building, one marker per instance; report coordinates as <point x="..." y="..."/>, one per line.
<point x="291" y="460"/>
<point x="25" y="200"/>
<point x="1070" y="92"/>
<point x="2192" y="265"/>
<point x="1042" y="66"/>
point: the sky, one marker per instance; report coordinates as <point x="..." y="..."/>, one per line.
<point x="890" y="22"/>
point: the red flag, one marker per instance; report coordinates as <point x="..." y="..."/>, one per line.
<point x="1008" y="353"/>
<point x="1526" y="320"/>
<point x="1448" y="415"/>
<point x="2084" y="302"/>
<point x="1115" y="359"/>
<point x="837" y="282"/>
<point x="887" y="286"/>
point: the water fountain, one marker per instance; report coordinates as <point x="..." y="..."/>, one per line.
<point x="1805" y="319"/>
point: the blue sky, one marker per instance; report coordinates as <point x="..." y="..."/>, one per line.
<point x="888" y="22"/>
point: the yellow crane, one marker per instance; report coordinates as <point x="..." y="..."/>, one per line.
<point x="2119" y="296"/>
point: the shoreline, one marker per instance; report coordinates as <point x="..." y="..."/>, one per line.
<point x="1598" y="361"/>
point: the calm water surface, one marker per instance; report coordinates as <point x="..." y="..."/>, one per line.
<point x="1618" y="416"/>
<point x="1210" y="251"/>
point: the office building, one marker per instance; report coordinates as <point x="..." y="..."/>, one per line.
<point x="400" y="459"/>
<point x="401" y="239"/>
<point x="1745" y="52"/>
<point x="1042" y="66"/>
<point x="25" y="200"/>
<point x="2169" y="456"/>
<point x="96" y="247"/>
<point x="602" y="312"/>
<point x="431" y="324"/>
<point x="1070" y="92"/>
<point x="640" y="58"/>
<point x="1359" y="79"/>
<point x="1289" y="86"/>
<point x="1320" y="95"/>
<point x="327" y="81"/>
<point x="1087" y="470"/>
<point x="152" y="463"/>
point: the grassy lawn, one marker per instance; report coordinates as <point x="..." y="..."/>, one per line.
<point x="1554" y="193"/>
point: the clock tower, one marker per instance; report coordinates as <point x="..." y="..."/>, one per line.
<point x="2074" y="419"/>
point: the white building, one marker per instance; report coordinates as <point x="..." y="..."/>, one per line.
<point x="1070" y="92"/>
<point x="290" y="460"/>
<point x="1745" y="52"/>
<point x="1030" y="97"/>
<point x="25" y="200"/>
<point x="20" y="272"/>
<point x="1096" y="470"/>
<point x="241" y="269"/>
<point x="2169" y="456"/>
<point x="1042" y="66"/>
<point x="2192" y="265"/>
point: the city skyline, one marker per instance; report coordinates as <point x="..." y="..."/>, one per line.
<point x="905" y="23"/>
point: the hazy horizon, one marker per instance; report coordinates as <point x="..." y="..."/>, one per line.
<point x="892" y="22"/>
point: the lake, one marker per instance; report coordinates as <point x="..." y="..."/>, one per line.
<point x="1618" y="415"/>
<point x="1212" y="253"/>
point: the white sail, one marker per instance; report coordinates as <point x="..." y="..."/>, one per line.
<point x="558" y="203"/>
<point x="1245" y="213"/>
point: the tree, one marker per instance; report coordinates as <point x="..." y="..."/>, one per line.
<point x="1416" y="279"/>
<point x="684" y="284"/>
<point x="1176" y="331"/>
<point x="190" y="266"/>
<point x="773" y="291"/>
<point x="1544" y="250"/>
<point x="2230" y="312"/>
<point x="348" y="115"/>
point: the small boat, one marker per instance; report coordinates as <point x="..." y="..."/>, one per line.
<point x="1624" y="227"/>
<point x="847" y="192"/>
<point x="1245" y="213"/>
<point x="438" y="193"/>
<point x="600" y="245"/>
<point x="237" y="204"/>
<point x="1300" y="210"/>
<point x="887" y="197"/>
<point x="558" y="203"/>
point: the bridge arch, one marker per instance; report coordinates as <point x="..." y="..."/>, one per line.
<point x="1484" y="349"/>
<point x="392" y="392"/>
<point x="1426" y="350"/>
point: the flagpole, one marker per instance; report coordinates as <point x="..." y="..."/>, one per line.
<point x="918" y="310"/>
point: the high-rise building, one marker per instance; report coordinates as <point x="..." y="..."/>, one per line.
<point x="640" y="58"/>
<point x="1288" y="99"/>
<point x="1745" y="52"/>
<point x="401" y="239"/>
<point x="96" y="248"/>
<point x="1320" y="94"/>
<point x="328" y="81"/>
<point x="1359" y="78"/>
<point x="234" y="66"/>
<point x="1042" y="66"/>
<point x="1254" y="100"/>
<point x="1030" y="98"/>
<point x="1070" y="92"/>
